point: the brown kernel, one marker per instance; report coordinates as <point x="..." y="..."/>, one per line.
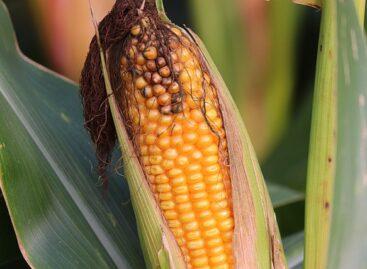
<point x="166" y="81"/>
<point x="148" y="76"/>
<point x="141" y="47"/>
<point x="177" y="108"/>
<point x="145" y="38"/>
<point x="151" y="53"/>
<point x="176" y="98"/>
<point x="165" y="72"/>
<point x="151" y="65"/>
<point x="158" y="90"/>
<point x="156" y="78"/>
<point x="161" y="61"/>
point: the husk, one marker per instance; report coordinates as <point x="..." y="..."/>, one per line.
<point x="257" y="241"/>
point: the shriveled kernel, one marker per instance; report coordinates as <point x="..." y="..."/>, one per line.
<point x="151" y="65"/>
<point x="157" y="79"/>
<point x="166" y="81"/>
<point x="161" y="61"/>
<point x="151" y="53"/>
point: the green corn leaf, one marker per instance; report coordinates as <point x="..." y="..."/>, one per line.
<point x="60" y="216"/>
<point x="336" y="190"/>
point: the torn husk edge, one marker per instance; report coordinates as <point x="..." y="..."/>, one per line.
<point x="257" y="242"/>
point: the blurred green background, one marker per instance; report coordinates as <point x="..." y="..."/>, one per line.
<point x="266" y="52"/>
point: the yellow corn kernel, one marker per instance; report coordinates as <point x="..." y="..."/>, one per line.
<point x="182" y="145"/>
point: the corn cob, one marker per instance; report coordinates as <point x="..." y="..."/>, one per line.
<point x="173" y="116"/>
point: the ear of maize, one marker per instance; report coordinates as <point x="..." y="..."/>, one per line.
<point x="173" y="116"/>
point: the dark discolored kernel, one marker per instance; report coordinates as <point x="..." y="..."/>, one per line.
<point x="148" y="76"/>
<point x="151" y="65"/>
<point x="161" y="61"/>
<point x="167" y="81"/>
<point x="177" y="108"/>
<point x="176" y="98"/>
<point x="156" y="78"/>
<point x="141" y="47"/>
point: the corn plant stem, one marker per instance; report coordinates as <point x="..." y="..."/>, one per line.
<point x="320" y="178"/>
